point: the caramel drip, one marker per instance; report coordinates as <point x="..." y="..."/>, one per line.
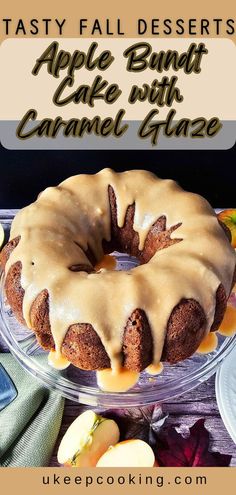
<point x="228" y="325"/>
<point x="108" y="262"/>
<point x="209" y="343"/>
<point x="66" y="220"/>
<point x="117" y="381"/>
<point x="57" y="361"/>
<point x="154" y="369"/>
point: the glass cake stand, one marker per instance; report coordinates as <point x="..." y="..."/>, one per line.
<point x="81" y="386"/>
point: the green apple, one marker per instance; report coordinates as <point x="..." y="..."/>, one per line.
<point x="86" y="440"/>
<point x="228" y="217"/>
<point x="130" y="453"/>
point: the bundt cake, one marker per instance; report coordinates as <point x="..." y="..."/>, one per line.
<point x="160" y="310"/>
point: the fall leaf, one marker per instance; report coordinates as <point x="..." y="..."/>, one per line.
<point x="175" y="450"/>
<point x="144" y="423"/>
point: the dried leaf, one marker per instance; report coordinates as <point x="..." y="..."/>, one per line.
<point x="144" y="423"/>
<point x="191" y="451"/>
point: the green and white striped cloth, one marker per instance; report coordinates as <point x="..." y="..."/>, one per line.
<point x="30" y="424"/>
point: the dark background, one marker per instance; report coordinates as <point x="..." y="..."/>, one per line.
<point x="25" y="173"/>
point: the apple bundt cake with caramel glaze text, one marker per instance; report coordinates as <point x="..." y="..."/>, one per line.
<point x="159" y="310"/>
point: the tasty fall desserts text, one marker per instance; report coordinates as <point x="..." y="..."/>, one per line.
<point x="139" y="57"/>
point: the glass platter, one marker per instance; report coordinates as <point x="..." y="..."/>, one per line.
<point x="81" y="386"/>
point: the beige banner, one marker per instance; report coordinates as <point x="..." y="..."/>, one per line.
<point x="171" y="481"/>
<point x="208" y="94"/>
<point x="191" y="16"/>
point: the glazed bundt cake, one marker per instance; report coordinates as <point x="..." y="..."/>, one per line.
<point x="160" y="310"/>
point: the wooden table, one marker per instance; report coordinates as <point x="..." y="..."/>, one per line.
<point x="184" y="410"/>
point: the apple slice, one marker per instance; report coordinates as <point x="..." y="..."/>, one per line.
<point x="86" y="440"/>
<point x="130" y="453"/>
<point x="2" y="235"/>
<point x="228" y="217"/>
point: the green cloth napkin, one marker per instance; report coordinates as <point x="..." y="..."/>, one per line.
<point x="30" y="424"/>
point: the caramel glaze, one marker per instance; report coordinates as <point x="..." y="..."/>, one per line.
<point x="73" y="219"/>
<point x="228" y="325"/>
<point x="208" y="344"/>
